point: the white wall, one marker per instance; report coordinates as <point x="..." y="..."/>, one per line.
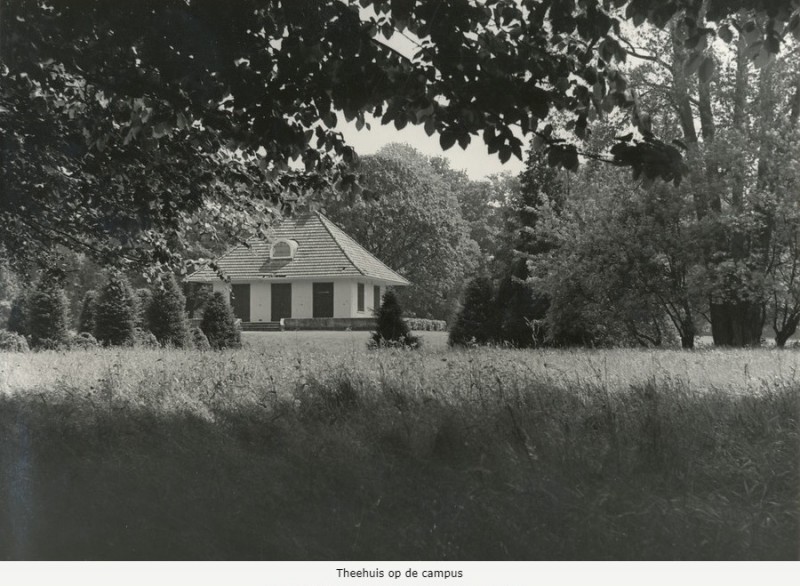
<point x="302" y="299"/>
<point x="260" y="301"/>
<point x="345" y="298"/>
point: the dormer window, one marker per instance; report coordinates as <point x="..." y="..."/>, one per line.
<point x="283" y="249"/>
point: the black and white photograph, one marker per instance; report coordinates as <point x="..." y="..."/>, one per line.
<point x="428" y="291"/>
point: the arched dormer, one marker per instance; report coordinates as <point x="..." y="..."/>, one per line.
<point x="283" y="249"/>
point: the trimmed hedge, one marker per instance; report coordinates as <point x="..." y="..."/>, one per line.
<point x="426" y="325"/>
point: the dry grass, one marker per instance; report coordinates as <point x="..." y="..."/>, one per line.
<point x="310" y="447"/>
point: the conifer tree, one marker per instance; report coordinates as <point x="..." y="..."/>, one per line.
<point x="143" y="297"/>
<point x="219" y="324"/>
<point x="392" y="330"/>
<point x="86" y="318"/>
<point x="114" y="312"/>
<point x="18" y="316"/>
<point x="165" y="315"/>
<point x="477" y="320"/>
<point x="47" y="314"/>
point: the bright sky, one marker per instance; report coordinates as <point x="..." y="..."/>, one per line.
<point x="475" y="160"/>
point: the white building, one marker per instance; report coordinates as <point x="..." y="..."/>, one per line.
<point x="310" y="274"/>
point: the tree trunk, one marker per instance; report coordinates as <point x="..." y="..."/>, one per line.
<point x="687" y="333"/>
<point x="787" y="332"/>
<point x="737" y="323"/>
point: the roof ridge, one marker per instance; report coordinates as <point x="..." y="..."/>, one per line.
<point x="324" y="219"/>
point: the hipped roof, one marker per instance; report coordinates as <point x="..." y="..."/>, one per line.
<point x="323" y="251"/>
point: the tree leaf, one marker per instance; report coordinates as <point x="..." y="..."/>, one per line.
<point x="447" y="139"/>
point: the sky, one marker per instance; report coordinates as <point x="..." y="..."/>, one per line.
<point x="475" y="160"/>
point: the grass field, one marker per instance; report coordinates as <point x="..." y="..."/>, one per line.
<point x="308" y="446"/>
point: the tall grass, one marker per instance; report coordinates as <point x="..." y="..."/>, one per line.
<point x="277" y="452"/>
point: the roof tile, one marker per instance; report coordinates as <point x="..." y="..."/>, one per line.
<point x="323" y="250"/>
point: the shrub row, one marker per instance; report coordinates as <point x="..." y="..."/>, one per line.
<point x="426" y="325"/>
<point x="117" y="316"/>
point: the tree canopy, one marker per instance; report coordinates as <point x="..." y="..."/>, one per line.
<point x="123" y="121"/>
<point x="414" y="225"/>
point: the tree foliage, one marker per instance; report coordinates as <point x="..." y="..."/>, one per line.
<point x="414" y="225"/>
<point x="18" y="314"/>
<point x="391" y="329"/>
<point x="47" y="315"/>
<point x="165" y="314"/>
<point x="477" y="322"/>
<point x="219" y="324"/>
<point x="115" y="311"/>
<point x="123" y="120"/>
<point x="86" y="319"/>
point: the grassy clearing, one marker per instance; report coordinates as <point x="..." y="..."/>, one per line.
<point x="309" y="447"/>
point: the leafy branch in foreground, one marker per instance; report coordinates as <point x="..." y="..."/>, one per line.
<point x="122" y="121"/>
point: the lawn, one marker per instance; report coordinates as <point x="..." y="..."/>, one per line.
<point x="309" y="446"/>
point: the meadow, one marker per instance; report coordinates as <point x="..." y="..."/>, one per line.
<point x="309" y="446"/>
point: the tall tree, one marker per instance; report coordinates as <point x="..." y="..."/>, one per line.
<point x="413" y="224"/>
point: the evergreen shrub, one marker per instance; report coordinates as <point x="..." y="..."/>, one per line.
<point x="477" y="322"/>
<point x="165" y="315"/>
<point x="12" y="342"/>
<point x="47" y="315"/>
<point x="199" y="339"/>
<point x="86" y="317"/>
<point x="115" y="313"/>
<point x="18" y="314"/>
<point x="219" y="324"/>
<point x="392" y="330"/>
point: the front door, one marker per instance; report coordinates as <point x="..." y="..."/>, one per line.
<point x="323" y="300"/>
<point x="281" y="301"/>
<point x="240" y="301"/>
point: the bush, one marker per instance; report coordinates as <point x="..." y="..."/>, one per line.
<point x="476" y="323"/>
<point x="86" y="318"/>
<point x="426" y="325"/>
<point x="12" y="342"/>
<point x="47" y="315"/>
<point x="144" y="339"/>
<point x="219" y="324"/>
<point x="199" y="340"/>
<point x="392" y="330"/>
<point x="114" y="313"/>
<point x="18" y="314"/>
<point x="84" y="341"/>
<point x="165" y="315"/>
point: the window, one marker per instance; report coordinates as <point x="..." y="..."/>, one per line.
<point x="283" y="249"/>
<point x="361" y="297"/>
<point x="376" y="298"/>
